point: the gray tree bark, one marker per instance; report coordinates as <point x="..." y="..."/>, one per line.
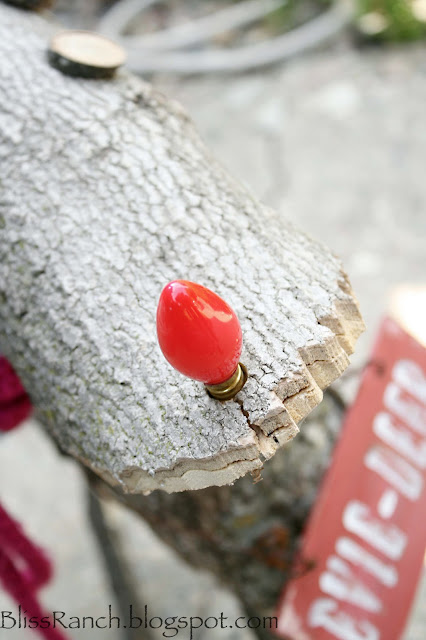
<point x="109" y="193"/>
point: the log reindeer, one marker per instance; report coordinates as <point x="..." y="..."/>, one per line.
<point x="108" y="193"/>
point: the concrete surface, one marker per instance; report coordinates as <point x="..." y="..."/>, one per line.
<point x="336" y="140"/>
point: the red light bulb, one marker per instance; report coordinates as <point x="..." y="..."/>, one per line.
<point x="200" y="335"/>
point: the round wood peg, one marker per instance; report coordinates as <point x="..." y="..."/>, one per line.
<point x="85" y="54"/>
<point x="31" y="5"/>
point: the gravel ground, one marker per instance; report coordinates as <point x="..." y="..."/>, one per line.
<point x="335" y="140"/>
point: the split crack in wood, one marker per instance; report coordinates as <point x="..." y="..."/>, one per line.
<point x="110" y="193"/>
<point x="280" y="426"/>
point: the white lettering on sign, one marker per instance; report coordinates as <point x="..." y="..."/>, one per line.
<point x="352" y="551"/>
<point x="387" y="504"/>
<point x="341" y="583"/>
<point x="408" y="410"/>
<point x="384" y="537"/>
<point x="395" y="470"/>
<point x="400" y="439"/>
<point x="397" y="460"/>
<point x="325" y="613"/>
<point x="410" y="377"/>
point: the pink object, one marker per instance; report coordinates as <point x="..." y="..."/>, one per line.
<point x="16" y="550"/>
<point x="24" y="567"/>
<point x="13" y="541"/>
<point x="364" y="544"/>
<point x="15" y="405"/>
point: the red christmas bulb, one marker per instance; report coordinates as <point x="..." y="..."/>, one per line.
<point x="199" y="333"/>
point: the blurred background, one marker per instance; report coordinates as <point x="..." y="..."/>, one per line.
<point x="332" y="133"/>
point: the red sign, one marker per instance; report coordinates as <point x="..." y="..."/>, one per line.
<point x="366" y="536"/>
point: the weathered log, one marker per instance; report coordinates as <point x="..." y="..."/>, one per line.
<point x="108" y="193"/>
<point x="247" y="535"/>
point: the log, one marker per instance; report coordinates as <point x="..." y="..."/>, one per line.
<point x="109" y="193"/>
<point x="247" y="534"/>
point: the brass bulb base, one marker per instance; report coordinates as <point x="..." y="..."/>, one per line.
<point x="229" y="388"/>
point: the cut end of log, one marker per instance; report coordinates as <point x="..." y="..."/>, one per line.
<point x="31" y="5"/>
<point x="290" y="402"/>
<point x="85" y="54"/>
